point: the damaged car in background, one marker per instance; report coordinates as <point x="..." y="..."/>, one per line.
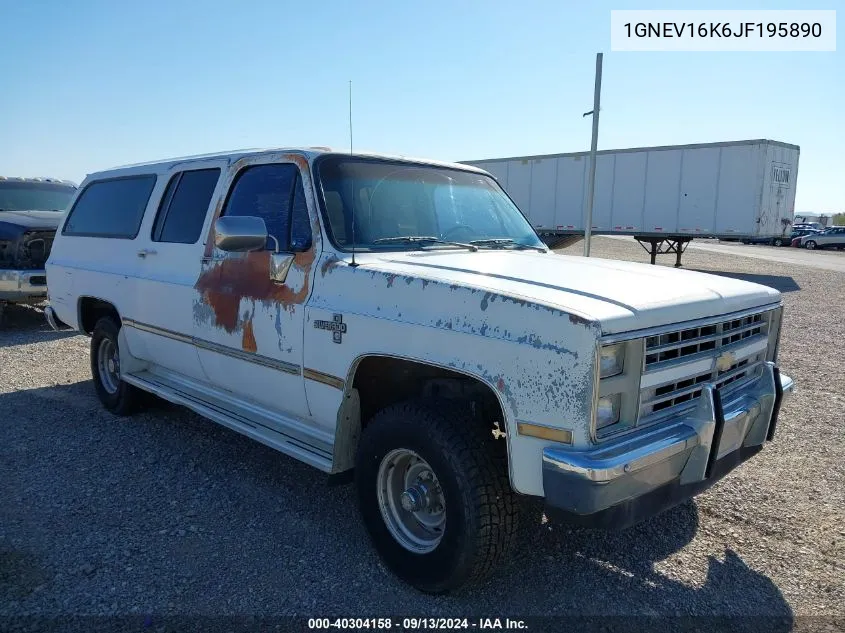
<point x="399" y="323"/>
<point x="30" y="210"/>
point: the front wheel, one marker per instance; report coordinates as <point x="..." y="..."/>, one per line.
<point x="810" y="245"/>
<point x="434" y="495"/>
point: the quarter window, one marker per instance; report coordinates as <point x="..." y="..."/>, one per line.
<point x="111" y="208"/>
<point x="184" y="206"/>
<point x="275" y="194"/>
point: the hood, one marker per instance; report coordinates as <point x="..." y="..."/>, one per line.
<point x="622" y="296"/>
<point x="13" y="223"/>
<point x="33" y="219"/>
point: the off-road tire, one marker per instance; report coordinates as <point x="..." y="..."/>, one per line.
<point x="482" y="512"/>
<point x="127" y="399"/>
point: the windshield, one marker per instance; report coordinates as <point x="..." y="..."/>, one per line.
<point x="395" y="199"/>
<point x="34" y="196"/>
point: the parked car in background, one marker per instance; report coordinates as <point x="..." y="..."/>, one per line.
<point x="833" y="237"/>
<point x="795" y="237"/>
<point x="30" y="210"/>
<point x="818" y="226"/>
<point x="780" y="240"/>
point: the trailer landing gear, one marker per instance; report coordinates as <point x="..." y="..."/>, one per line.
<point x="655" y="246"/>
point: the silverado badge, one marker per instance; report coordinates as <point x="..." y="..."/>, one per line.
<point x="336" y="325"/>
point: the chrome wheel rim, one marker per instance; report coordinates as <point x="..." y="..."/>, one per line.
<point x="108" y="365"/>
<point x="411" y="501"/>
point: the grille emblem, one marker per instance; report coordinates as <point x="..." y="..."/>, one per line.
<point x="725" y="361"/>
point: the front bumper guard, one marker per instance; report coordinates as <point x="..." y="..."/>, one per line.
<point x="627" y="480"/>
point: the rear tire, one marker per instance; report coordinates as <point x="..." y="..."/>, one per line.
<point x="777" y="242"/>
<point x="116" y="395"/>
<point x="470" y="484"/>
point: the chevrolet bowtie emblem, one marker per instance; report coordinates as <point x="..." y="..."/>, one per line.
<point x="725" y="361"/>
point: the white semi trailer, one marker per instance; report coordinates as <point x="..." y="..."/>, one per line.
<point x="663" y="196"/>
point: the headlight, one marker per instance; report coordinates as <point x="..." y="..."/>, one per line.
<point x="608" y="411"/>
<point x="612" y="359"/>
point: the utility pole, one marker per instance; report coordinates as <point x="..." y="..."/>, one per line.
<point x="591" y="186"/>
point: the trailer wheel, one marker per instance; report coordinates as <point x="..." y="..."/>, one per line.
<point x="777" y="242"/>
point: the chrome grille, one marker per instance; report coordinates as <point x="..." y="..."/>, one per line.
<point x="668" y="397"/>
<point x="682" y="343"/>
<point x="691" y="344"/>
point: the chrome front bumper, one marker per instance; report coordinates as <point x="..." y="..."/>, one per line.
<point x="627" y="480"/>
<point x="23" y="286"/>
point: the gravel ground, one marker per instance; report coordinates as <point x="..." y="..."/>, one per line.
<point x="166" y="513"/>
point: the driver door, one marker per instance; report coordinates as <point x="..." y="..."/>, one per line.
<point x="249" y="317"/>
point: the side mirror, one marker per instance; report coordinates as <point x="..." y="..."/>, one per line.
<point x="238" y="234"/>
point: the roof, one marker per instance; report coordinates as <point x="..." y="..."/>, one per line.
<point x="309" y="153"/>
<point x="637" y="149"/>
<point x="55" y="181"/>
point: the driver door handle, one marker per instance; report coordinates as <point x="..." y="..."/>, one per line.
<point x="146" y="251"/>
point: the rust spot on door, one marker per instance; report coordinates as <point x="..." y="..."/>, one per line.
<point x="248" y="342"/>
<point x="226" y="282"/>
<point x="305" y="259"/>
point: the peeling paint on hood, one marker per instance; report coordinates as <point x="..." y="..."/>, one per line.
<point x="620" y="295"/>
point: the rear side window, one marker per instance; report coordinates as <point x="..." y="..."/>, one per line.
<point x="275" y="194"/>
<point x="111" y="208"/>
<point x="184" y="206"/>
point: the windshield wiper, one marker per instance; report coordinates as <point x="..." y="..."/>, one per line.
<point x="501" y="242"/>
<point x="422" y="240"/>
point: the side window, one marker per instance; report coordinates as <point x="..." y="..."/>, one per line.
<point x="274" y="193"/>
<point x="184" y="206"/>
<point x="111" y="208"/>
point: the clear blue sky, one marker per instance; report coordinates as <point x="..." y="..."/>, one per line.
<point x="90" y="84"/>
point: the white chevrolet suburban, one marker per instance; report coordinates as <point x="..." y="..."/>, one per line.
<point x="399" y="321"/>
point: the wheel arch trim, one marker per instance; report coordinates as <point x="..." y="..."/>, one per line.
<point x="506" y="421"/>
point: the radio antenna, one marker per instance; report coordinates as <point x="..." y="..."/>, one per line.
<point x="353" y="264"/>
